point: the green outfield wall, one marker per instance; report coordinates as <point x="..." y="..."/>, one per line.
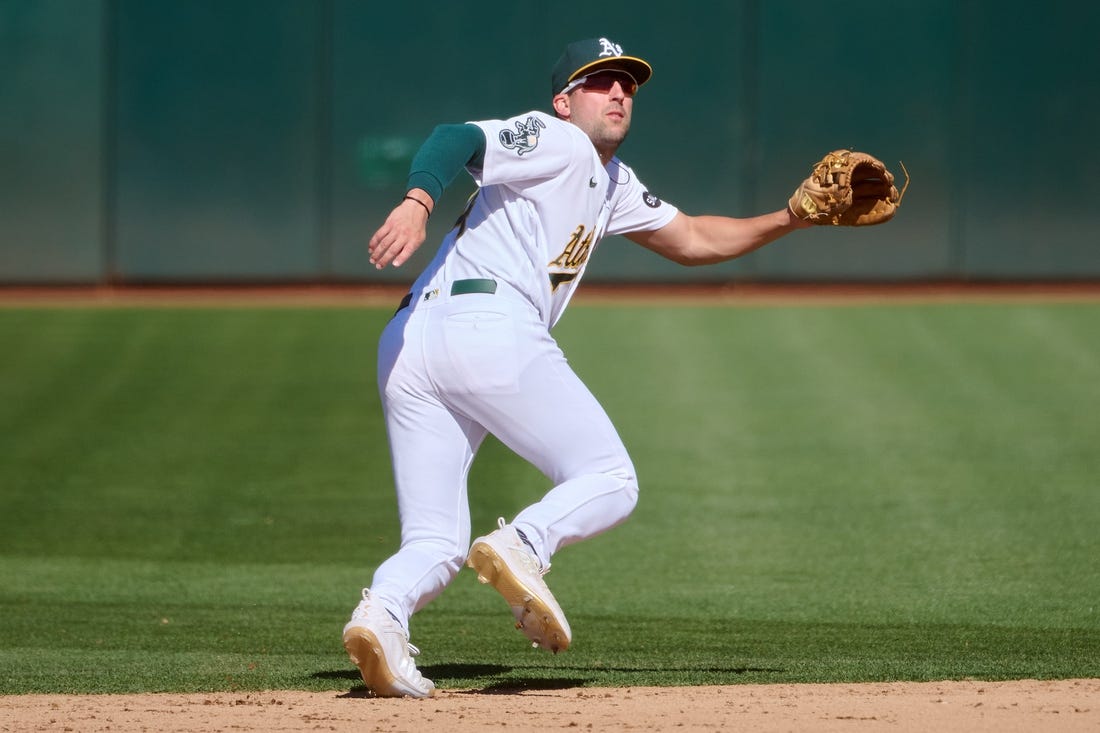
<point x="263" y="140"/>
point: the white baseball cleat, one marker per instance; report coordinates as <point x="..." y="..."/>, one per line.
<point x="503" y="560"/>
<point x="380" y="648"/>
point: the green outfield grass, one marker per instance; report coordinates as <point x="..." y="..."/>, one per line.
<point x="191" y="499"/>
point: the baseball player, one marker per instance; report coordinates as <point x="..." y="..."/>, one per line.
<point x="469" y="351"/>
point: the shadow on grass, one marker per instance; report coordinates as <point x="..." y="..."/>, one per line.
<point x="519" y="683"/>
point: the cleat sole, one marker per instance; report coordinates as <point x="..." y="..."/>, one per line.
<point x="365" y="652"/>
<point x="533" y="617"/>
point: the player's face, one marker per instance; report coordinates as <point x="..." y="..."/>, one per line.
<point x="602" y="106"/>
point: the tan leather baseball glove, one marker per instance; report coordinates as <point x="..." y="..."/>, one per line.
<point x="848" y="188"/>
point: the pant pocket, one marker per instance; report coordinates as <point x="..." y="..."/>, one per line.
<point x="481" y="348"/>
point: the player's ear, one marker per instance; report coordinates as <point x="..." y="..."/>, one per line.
<point x="561" y="106"/>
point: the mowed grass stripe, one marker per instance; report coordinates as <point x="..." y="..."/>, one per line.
<point x="898" y="492"/>
<point x="853" y="450"/>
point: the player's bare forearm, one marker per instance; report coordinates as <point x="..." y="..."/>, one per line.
<point x="706" y="240"/>
<point x="403" y="231"/>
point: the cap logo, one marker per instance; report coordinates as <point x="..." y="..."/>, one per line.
<point x="607" y="48"/>
<point x="526" y="136"/>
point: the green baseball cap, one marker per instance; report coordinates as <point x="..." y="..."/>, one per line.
<point x="593" y="54"/>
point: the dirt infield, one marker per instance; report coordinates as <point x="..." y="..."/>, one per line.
<point x="1005" y="707"/>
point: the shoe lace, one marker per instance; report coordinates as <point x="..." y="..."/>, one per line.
<point x="362" y="610"/>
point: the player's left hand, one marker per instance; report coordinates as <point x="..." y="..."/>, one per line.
<point x="404" y="230"/>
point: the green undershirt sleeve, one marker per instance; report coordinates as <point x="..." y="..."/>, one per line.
<point x="448" y="150"/>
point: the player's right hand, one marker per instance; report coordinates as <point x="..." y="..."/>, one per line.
<point x="404" y="230"/>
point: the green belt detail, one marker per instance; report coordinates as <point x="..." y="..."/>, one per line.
<point x="473" y="285"/>
<point x="458" y="287"/>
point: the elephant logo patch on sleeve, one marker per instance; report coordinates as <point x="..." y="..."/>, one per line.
<point x="526" y="136"/>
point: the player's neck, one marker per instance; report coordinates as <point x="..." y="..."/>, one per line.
<point x="606" y="154"/>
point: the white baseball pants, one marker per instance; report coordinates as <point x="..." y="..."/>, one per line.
<point x="450" y="371"/>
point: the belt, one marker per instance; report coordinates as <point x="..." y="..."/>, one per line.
<point x="458" y="287"/>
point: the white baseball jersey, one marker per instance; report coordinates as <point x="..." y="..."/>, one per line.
<point x="545" y="201"/>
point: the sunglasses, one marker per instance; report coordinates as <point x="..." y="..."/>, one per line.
<point x="602" y="81"/>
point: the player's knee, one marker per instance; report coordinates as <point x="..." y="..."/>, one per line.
<point x="628" y="487"/>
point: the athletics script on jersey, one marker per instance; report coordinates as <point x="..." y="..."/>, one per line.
<point x="570" y="260"/>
